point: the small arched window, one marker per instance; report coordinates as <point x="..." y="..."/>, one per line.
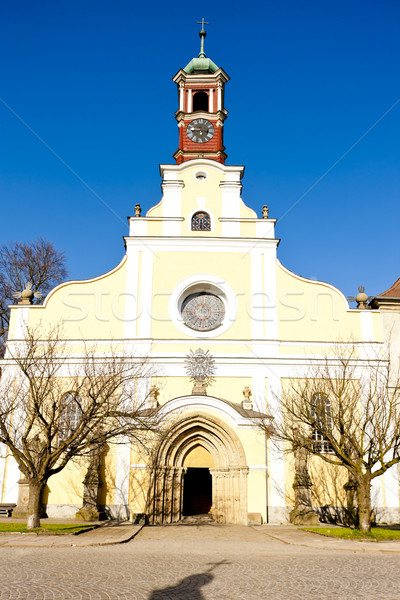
<point x="322" y="423"/>
<point x="70" y="415"/>
<point x="200" y="101"/>
<point x="201" y="221"/>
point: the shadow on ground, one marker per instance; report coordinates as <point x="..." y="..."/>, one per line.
<point x="189" y="587"/>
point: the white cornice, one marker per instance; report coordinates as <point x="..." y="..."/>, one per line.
<point x="246" y="220"/>
<point x="197" y="162"/>
<point x="157" y="219"/>
<point x="201" y="244"/>
<point x="202" y="78"/>
<point x="219" y="115"/>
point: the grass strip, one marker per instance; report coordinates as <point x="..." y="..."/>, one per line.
<point x="48" y="528"/>
<point x="377" y="534"/>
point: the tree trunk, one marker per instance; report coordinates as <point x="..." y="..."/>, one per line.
<point x="35" y="496"/>
<point x="364" y="504"/>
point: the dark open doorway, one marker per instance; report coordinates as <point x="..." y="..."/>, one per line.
<point x="197" y="491"/>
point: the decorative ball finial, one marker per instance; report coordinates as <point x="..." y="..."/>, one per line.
<point x="202" y="35"/>
<point x="27" y="295"/>
<point x="362" y="299"/>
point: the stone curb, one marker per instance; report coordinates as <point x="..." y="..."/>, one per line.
<point x="79" y="541"/>
<point x="124" y="540"/>
<point x="332" y="544"/>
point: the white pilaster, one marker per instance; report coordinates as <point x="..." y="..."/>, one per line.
<point x="146" y="289"/>
<point x="230" y="197"/>
<point x="171" y="200"/>
<point x="122" y="471"/>
<point x="131" y="292"/>
<point x="276" y="461"/>
<point x="21" y="322"/>
<point x="367" y="326"/>
<point x="181" y="96"/>
<point x="270" y="293"/>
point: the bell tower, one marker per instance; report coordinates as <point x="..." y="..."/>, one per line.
<point x="201" y="113"/>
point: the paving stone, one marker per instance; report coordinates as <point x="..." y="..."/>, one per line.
<point x="202" y="562"/>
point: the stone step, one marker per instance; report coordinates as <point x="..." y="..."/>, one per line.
<point x="197" y="519"/>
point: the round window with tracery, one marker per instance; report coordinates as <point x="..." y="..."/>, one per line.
<point x="202" y="311"/>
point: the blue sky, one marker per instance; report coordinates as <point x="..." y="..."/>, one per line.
<point x="308" y="80"/>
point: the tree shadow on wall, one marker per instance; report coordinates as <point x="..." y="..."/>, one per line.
<point x="189" y="587"/>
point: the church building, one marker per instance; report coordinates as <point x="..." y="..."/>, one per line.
<point x="201" y="284"/>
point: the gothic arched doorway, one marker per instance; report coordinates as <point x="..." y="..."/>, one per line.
<point x="197" y="448"/>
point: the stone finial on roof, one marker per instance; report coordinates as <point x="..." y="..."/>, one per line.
<point x="138" y="210"/>
<point x="247" y="403"/>
<point x="27" y="295"/>
<point x="153" y="399"/>
<point x="362" y="299"/>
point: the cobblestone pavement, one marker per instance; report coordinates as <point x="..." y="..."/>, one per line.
<point x="206" y="562"/>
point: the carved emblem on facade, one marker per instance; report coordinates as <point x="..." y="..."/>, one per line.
<point x="200" y="366"/>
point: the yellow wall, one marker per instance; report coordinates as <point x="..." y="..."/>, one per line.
<point x="313" y="311"/>
<point x="92" y="309"/>
<point x="173" y="267"/>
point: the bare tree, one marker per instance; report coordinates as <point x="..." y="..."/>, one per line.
<point x="38" y="262"/>
<point x="54" y="408"/>
<point x="346" y="412"/>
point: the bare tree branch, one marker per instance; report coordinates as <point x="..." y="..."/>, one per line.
<point x="54" y="407"/>
<point x="38" y="262"/>
<point x="346" y="411"/>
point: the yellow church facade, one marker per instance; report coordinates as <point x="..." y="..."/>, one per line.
<point x="201" y="272"/>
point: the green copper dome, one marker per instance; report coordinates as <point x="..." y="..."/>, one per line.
<point x="201" y="64"/>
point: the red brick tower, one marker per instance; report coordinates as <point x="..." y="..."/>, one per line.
<point x="201" y="112"/>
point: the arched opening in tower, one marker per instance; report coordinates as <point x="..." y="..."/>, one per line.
<point x="200" y="101"/>
<point x="197" y="491"/>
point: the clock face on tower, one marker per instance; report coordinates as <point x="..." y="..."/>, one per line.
<point x="200" y="130"/>
<point x="203" y="312"/>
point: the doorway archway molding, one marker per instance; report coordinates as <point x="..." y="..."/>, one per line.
<point x="229" y="474"/>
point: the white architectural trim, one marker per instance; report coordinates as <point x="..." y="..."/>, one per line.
<point x="367" y="325"/>
<point x="132" y="312"/>
<point x="276" y="461"/>
<point x="203" y="244"/>
<point x="146" y="294"/>
<point x="170" y="171"/>
<point x="122" y="472"/>
<point x="190" y="404"/>
<point x="22" y="317"/>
